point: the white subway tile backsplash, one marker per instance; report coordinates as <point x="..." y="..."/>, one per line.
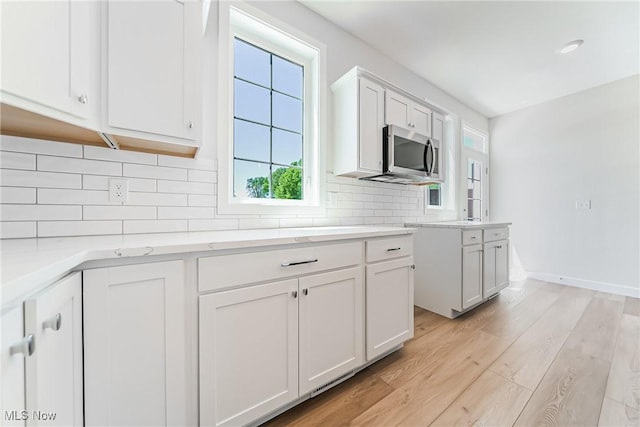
<point x="11" y="160"/>
<point x="326" y="222"/>
<point x="17" y="195"/>
<point x="67" y="194"/>
<point x="118" y="212"/>
<point x="212" y="224"/>
<point x="156" y="172"/>
<point x="202" y="176"/>
<point x="156" y="199"/>
<point x="39" y="212"/>
<point x="155" y="226"/>
<point x="248" y="224"/>
<point x="296" y="222"/>
<point x="50" y="196"/>
<point x="20" y="178"/>
<point x="202" y="200"/>
<point x="185" y="213"/>
<point x="181" y="162"/>
<point x="100" y="153"/>
<point x="17" y="230"/>
<point x="96" y="182"/>
<point x="69" y="165"/>
<point x="39" y="146"/>
<point x="78" y="228"/>
<point x="185" y="187"/>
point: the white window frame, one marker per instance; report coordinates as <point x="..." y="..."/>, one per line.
<point x="447" y="188"/>
<point x="483" y="156"/>
<point x="253" y="25"/>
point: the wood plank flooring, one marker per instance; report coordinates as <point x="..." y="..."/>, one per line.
<point x="538" y="354"/>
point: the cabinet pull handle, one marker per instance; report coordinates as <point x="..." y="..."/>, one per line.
<point x="413" y="266"/>
<point x="294" y="294"/>
<point x="26" y="346"/>
<point x="83" y="98"/>
<point x="290" y="264"/>
<point x="190" y="124"/>
<point x="474" y="237"/>
<point x="499" y="247"/>
<point x="54" y="323"/>
<point x="305" y="291"/>
<point x="393" y="249"/>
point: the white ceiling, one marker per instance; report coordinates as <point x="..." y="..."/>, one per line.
<point x="498" y="56"/>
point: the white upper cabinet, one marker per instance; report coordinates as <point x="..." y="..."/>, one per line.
<point x="151" y="71"/>
<point x="402" y="111"/>
<point x="358" y="119"/>
<point x="47" y="60"/>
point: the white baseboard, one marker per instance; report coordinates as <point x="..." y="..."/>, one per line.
<point x="586" y="284"/>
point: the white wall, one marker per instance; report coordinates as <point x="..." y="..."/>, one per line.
<point x="580" y="147"/>
<point x="56" y="189"/>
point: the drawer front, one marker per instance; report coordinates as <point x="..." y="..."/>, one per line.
<point x="492" y="234"/>
<point x="227" y="271"/>
<point x="390" y="248"/>
<point x="471" y="237"/>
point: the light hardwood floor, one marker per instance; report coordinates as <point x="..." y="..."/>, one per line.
<point x="538" y="354"/>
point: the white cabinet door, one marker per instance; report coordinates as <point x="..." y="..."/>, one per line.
<point x="54" y="372"/>
<point x="46" y="54"/>
<point x="151" y="67"/>
<point x="438" y="127"/>
<point x="421" y="119"/>
<point x="389" y="305"/>
<point x="496" y="267"/>
<point x="248" y="352"/>
<point x="330" y="326"/>
<point x="401" y="111"/>
<point x="134" y="345"/>
<point x="12" y="399"/>
<point x="370" y="124"/>
<point x="471" y="275"/>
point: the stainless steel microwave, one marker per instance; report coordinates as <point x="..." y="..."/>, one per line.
<point x="408" y="157"/>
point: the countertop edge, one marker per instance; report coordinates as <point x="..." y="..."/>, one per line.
<point x="22" y="285"/>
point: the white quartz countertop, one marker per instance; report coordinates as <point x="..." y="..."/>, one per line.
<point x="29" y="263"/>
<point x="460" y="224"/>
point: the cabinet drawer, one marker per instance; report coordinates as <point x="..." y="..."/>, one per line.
<point x="471" y="237"/>
<point x="395" y="247"/>
<point x="226" y="271"/>
<point x="491" y="234"/>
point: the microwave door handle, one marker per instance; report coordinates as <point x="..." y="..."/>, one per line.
<point x="424" y="159"/>
<point x="433" y="157"/>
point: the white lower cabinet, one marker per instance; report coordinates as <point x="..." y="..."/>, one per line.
<point x="460" y="266"/>
<point x="330" y="326"/>
<point x="471" y="275"/>
<point x="248" y="352"/>
<point x="42" y="358"/>
<point x="263" y="346"/>
<point x="389" y="306"/>
<point x="54" y="372"/>
<point x="134" y="345"/>
<point x="496" y="267"/>
<point x="15" y="347"/>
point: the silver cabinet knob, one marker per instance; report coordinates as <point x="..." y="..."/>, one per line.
<point x="54" y="323"/>
<point x="305" y="291"/>
<point x="26" y="346"/>
<point x="190" y="124"/>
<point x="294" y="294"/>
<point x="83" y="98"/>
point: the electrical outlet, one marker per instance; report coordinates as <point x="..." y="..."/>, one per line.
<point x="118" y="190"/>
<point x="583" y="204"/>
